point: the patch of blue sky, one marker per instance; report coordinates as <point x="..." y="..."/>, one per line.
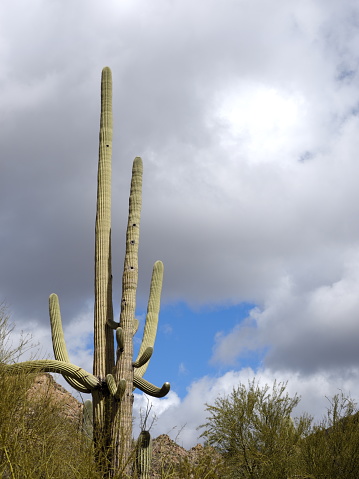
<point x="185" y="341"/>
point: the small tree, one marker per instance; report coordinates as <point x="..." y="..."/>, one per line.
<point x="332" y="450"/>
<point x="115" y="373"/>
<point x="252" y="427"/>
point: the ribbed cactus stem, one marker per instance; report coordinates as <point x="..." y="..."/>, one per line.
<point x="112" y="324"/>
<point x="103" y="339"/>
<point x="136" y="324"/>
<point x="103" y="361"/>
<point x="119" y="339"/>
<point x="124" y="369"/>
<point x="153" y="309"/>
<point x="53" y="366"/>
<point x="58" y="340"/>
<point x="144" y="455"/>
<point x="149" y="388"/>
<point x="112" y="383"/>
<point x="116" y="390"/>
<point x="144" y="358"/>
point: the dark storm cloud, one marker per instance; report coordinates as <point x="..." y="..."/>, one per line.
<point x="223" y="102"/>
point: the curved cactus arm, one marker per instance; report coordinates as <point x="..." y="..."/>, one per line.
<point x="149" y="388"/>
<point x="119" y="338"/>
<point x="146" y="356"/>
<point x="116" y="390"/>
<point x="53" y="366"/>
<point x="115" y="325"/>
<point x="136" y="324"/>
<point x="112" y="324"/>
<point x="153" y="309"/>
<point x="58" y="340"/>
<point x="144" y="454"/>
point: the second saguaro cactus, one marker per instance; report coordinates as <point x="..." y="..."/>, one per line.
<point x="115" y="373"/>
<point x="144" y="455"/>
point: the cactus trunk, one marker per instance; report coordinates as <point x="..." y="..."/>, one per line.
<point x="103" y="361"/>
<point x="103" y="340"/>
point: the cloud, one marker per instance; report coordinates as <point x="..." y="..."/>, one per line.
<point x="306" y="330"/>
<point x="221" y="111"/>
<point x="246" y="115"/>
<point x="180" y="419"/>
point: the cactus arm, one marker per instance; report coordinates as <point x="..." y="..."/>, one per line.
<point x="112" y="324"/>
<point x="53" y="366"/>
<point x="144" y="358"/>
<point x="58" y="340"/>
<point x="149" y="388"/>
<point x="153" y="308"/>
<point x="119" y="339"/>
<point x="116" y="390"/>
<point x="124" y="368"/>
<point x="144" y="455"/>
<point x="136" y="324"/>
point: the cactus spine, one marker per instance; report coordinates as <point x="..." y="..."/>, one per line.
<point x="115" y="373"/>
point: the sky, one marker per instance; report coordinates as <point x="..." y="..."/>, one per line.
<point x="246" y="115"/>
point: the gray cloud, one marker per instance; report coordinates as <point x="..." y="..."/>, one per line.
<point x="246" y="116"/>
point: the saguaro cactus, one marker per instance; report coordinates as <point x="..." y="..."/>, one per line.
<point x="115" y="373"/>
<point x="144" y="455"/>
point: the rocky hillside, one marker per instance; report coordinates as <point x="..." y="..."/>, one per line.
<point x="168" y="460"/>
<point x="46" y="385"/>
<point x="171" y="460"/>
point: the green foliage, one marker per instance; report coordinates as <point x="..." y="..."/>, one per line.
<point x="38" y="437"/>
<point x="87" y="419"/>
<point x="332" y="450"/>
<point x="253" y="429"/>
<point x="250" y="434"/>
<point x="209" y="465"/>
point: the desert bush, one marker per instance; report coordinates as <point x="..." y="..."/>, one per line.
<point x="332" y="450"/>
<point x="39" y="438"/>
<point x="254" y="431"/>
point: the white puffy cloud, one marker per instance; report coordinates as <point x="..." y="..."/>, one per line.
<point x="181" y="418"/>
<point x="303" y="329"/>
